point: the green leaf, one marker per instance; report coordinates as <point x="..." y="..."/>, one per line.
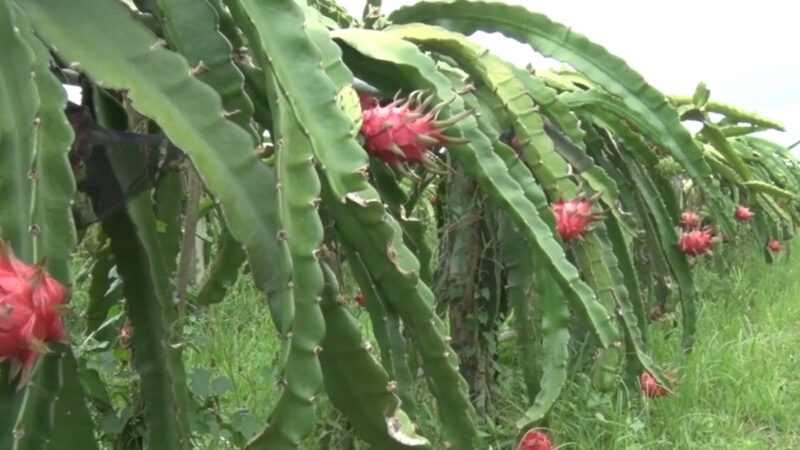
<point x="54" y="184"/>
<point x="224" y="270"/>
<point x="701" y="93"/>
<point x="732" y="113"/>
<point x="293" y="417"/>
<point x="192" y="28"/>
<point x="386" y="328"/>
<point x="74" y="427"/>
<point x="19" y="105"/>
<point x="355" y="382"/>
<point x="36" y="419"/>
<point x="276" y="32"/>
<point x="592" y="60"/>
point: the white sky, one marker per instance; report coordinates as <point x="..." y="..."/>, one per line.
<point x="746" y="51"/>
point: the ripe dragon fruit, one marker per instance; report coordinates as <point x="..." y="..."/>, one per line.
<point x="774" y="245"/>
<point x="401" y="131"/>
<point x="696" y="242"/>
<point x="535" y="440"/>
<point x="572" y="217"/>
<point x="30" y="305"/>
<point x="743" y="213"/>
<point x="360" y="299"/>
<point x="689" y="220"/>
<point x="650" y="386"/>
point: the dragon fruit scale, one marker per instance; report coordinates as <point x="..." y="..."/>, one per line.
<point x="572" y="217"/>
<point x="402" y="131"/>
<point x="535" y="440"/>
<point x="31" y="302"/>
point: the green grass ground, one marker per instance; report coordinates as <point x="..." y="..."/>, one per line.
<point x="738" y="389"/>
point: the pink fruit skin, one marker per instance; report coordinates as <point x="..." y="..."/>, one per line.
<point x="572" y="217"/>
<point x="743" y="213"/>
<point x="360" y="299"/>
<point x="689" y="220"/>
<point x="385" y="126"/>
<point x="774" y="245"/>
<point x="695" y="242"/>
<point x="396" y="133"/>
<point x="535" y="440"/>
<point x="650" y="386"/>
<point x="29" y="310"/>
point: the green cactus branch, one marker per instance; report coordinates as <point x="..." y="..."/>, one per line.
<point x="284" y="111"/>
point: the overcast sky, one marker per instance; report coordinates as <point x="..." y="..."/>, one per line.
<point x="745" y="51"/>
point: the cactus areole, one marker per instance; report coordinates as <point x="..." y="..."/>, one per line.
<point x="403" y="131"/>
<point x="572" y="217"/>
<point x="535" y="440"/>
<point x="689" y="220"/>
<point x="743" y="213"/>
<point x="30" y="302"/>
<point x="696" y="242"/>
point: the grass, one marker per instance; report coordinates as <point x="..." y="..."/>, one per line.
<point x="738" y="388"/>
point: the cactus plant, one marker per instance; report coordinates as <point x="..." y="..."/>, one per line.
<point x="274" y="139"/>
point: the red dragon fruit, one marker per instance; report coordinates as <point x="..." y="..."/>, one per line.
<point x="743" y="213"/>
<point x="656" y="314"/>
<point x="650" y="386"/>
<point x="689" y="220"/>
<point x="30" y="306"/>
<point x="535" y="440"/>
<point x="360" y="299"/>
<point x="512" y="140"/>
<point x="774" y="245"/>
<point x="572" y="217"/>
<point x="696" y="242"/>
<point x="401" y="131"/>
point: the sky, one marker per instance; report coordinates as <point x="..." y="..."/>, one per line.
<point x="745" y="51"/>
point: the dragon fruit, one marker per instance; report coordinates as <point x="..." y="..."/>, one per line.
<point x="774" y="245"/>
<point x="696" y="242"/>
<point x="360" y="299"/>
<point x="535" y="440"/>
<point x="511" y="139"/>
<point x="650" y="386"/>
<point x="572" y="217"/>
<point x="656" y="314"/>
<point x="30" y="305"/>
<point x="689" y="220"/>
<point x="401" y="131"/>
<point x="743" y="213"/>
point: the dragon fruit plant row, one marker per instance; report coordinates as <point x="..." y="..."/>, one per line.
<point x="448" y="182"/>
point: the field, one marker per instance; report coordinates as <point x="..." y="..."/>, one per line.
<point x="273" y="225"/>
<point x="737" y="389"/>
